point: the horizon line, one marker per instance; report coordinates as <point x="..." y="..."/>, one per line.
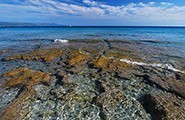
<point x="71" y="26"/>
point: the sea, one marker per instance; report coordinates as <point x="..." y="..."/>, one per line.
<point x="173" y="37"/>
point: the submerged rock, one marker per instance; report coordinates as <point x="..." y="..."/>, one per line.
<point x="168" y="83"/>
<point x="47" y="55"/>
<point x="109" y="64"/>
<point x="164" y="107"/>
<point x="25" y="79"/>
<point x="24" y="76"/>
<point x="110" y="98"/>
<point x="4" y="51"/>
<point x="83" y="80"/>
<point x="77" y="57"/>
<point x="101" y="62"/>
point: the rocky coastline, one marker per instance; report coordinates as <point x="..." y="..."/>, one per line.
<point x="97" y="79"/>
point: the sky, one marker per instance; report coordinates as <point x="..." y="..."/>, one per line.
<point x="95" y="12"/>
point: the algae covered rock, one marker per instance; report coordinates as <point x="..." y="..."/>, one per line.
<point x="25" y="79"/>
<point x="168" y="82"/>
<point x="117" y="65"/>
<point x="109" y="64"/>
<point x="25" y="76"/>
<point x="110" y="98"/>
<point x="88" y="80"/>
<point x="164" y="107"/>
<point x="47" y="55"/>
<point x="77" y="57"/>
<point x="121" y="53"/>
<point x="101" y="62"/>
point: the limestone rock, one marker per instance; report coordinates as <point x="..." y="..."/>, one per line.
<point x="164" y="107"/>
<point x="24" y="76"/>
<point x="111" y="98"/>
<point x="26" y="79"/>
<point x="169" y="83"/>
<point x="47" y="55"/>
<point x="77" y="57"/>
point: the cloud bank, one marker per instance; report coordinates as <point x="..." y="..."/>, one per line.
<point x="92" y="10"/>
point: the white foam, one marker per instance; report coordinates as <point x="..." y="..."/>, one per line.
<point x="61" y="41"/>
<point x="165" y="66"/>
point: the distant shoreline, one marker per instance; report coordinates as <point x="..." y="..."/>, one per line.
<point x="94" y="26"/>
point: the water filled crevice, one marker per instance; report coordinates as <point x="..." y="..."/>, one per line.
<point x="100" y="90"/>
<point x="108" y="45"/>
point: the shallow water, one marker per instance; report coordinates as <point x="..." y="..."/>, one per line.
<point x="88" y="86"/>
<point x="171" y="37"/>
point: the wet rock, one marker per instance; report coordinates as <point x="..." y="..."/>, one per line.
<point x="47" y="55"/>
<point x="85" y="88"/>
<point x="24" y="76"/>
<point x="87" y="81"/>
<point x="126" y="108"/>
<point x="6" y="96"/>
<point x="123" y="53"/>
<point x="110" y="98"/>
<point x="4" y="51"/>
<point x="1" y="52"/>
<point x="109" y="64"/>
<point x="180" y="76"/>
<point x="100" y="62"/>
<point x="69" y="100"/>
<point x="116" y="65"/>
<point x="18" y="108"/>
<point x="77" y="60"/>
<point x="77" y="57"/>
<point x="136" y="88"/>
<point x="164" y="106"/>
<point x="78" y="110"/>
<point x="115" y="104"/>
<point x="169" y="83"/>
<point x="26" y="79"/>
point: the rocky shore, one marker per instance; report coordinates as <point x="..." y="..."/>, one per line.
<point x="98" y="79"/>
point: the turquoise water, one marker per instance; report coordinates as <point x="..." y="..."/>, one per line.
<point x="166" y="36"/>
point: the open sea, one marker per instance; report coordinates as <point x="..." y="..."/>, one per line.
<point x="157" y="36"/>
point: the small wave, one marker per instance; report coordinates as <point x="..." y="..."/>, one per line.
<point x="61" y="41"/>
<point x="165" y="66"/>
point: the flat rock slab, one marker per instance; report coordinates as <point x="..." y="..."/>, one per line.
<point x="99" y="80"/>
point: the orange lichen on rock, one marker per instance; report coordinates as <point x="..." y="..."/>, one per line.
<point x="77" y="57"/>
<point x="47" y="55"/>
<point x="26" y="78"/>
<point x="109" y="64"/>
<point x="100" y="62"/>
<point x="117" y="65"/>
<point x="13" y="77"/>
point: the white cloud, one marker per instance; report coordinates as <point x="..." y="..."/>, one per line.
<point x="167" y="3"/>
<point x="89" y="2"/>
<point x="151" y="11"/>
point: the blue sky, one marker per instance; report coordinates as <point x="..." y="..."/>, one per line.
<point x="94" y="12"/>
